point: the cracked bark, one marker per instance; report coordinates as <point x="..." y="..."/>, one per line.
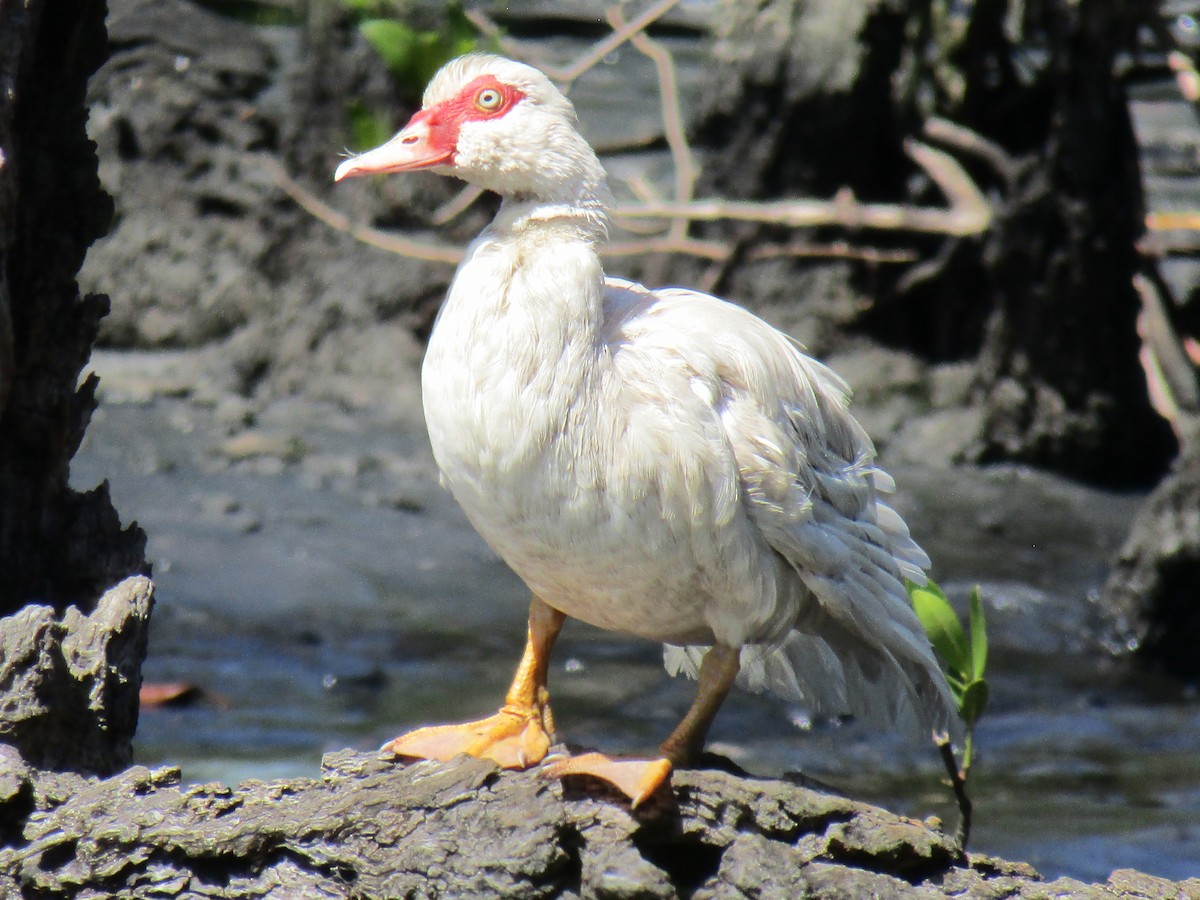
<point x="371" y="828"/>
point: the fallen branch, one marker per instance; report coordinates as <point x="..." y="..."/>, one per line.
<point x="564" y="75"/>
<point x="969" y="212"/>
<point x="686" y="170"/>
<point x="431" y="251"/>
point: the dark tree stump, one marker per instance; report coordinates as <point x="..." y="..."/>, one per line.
<point x="1149" y="601"/>
<point x="69" y="665"/>
<point x="57" y="546"/>
<point x="808" y="97"/>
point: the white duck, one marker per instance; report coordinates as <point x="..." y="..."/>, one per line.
<point x="660" y="463"/>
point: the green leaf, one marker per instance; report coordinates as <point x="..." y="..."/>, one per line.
<point x="979" y="640"/>
<point x="942" y="626"/>
<point x="974" y="701"/>
<point x="393" y="41"/>
<point x="367" y="128"/>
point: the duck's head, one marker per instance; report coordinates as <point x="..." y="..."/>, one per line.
<point x="496" y="123"/>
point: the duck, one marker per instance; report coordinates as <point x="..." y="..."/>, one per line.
<point x="660" y="463"/>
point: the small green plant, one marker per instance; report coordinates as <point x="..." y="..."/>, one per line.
<point x="368" y="127"/>
<point x="963" y="652"/>
<point x="413" y="55"/>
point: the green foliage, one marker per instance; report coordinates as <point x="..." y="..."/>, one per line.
<point x="368" y="128"/>
<point x="413" y="55"/>
<point x="963" y="652"/>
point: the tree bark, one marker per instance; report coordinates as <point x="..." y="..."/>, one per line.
<point x="69" y="683"/>
<point x="809" y="97"/>
<point x="69" y="666"/>
<point x="57" y="546"/>
<point x="372" y="828"/>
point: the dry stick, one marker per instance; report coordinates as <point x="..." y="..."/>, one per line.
<point x="393" y="243"/>
<point x="960" y="137"/>
<point x="457" y="205"/>
<point x="958" y="781"/>
<point x="451" y="254"/>
<point x="969" y="212"/>
<point x="1170" y="375"/>
<point x="686" y="170"/>
<point x="567" y="74"/>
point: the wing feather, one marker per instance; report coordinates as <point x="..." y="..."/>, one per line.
<point x="810" y="485"/>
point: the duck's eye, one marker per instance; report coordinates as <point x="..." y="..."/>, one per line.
<point x="489" y="99"/>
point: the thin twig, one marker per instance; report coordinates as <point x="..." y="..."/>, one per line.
<point x="1170" y="373"/>
<point x="1187" y="220"/>
<point x="432" y="251"/>
<point x="714" y="250"/>
<point x="456" y="205"/>
<point x="958" y="781"/>
<point x="831" y="250"/>
<point x="565" y="75"/>
<point x="969" y="212"/>
<point x="619" y="36"/>
<point x="965" y="139"/>
<point x="686" y="170"/>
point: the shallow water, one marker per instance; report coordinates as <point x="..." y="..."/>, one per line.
<point x="324" y="592"/>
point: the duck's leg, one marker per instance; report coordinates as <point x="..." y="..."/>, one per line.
<point x="520" y="734"/>
<point x="639" y="778"/>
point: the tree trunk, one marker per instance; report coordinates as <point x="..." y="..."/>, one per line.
<point x="809" y="97"/>
<point x="1149" y="599"/>
<point x="57" y="546"/>
<point x="69" y="679"/>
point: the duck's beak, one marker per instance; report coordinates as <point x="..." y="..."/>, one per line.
<point x="420" y="144"/>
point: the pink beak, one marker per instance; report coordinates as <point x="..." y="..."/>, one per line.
<point x="418" y="145"/>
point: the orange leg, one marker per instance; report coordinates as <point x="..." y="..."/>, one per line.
<point x="520" y="734"/>
<point x="639" y="778"/>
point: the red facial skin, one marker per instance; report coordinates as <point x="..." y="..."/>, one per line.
<point x="430" y="139"/>
<point x="446" y="118"/>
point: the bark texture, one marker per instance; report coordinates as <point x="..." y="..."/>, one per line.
<point x="1149" y="600"/>
<point x="57" y="546"/>
<point x="70" y="660"/>
<point x="371" y="828"/>
<point x="807" y="97"/>
<point x="69" y="684"/>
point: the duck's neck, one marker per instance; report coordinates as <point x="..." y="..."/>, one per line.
<point x="574" y="196"/>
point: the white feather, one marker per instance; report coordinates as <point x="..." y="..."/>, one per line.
<point x="662" y="463"/>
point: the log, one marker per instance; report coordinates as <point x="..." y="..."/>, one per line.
<point x="369" y="827"/>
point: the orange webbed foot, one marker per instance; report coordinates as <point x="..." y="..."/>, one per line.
<point x="637" y="779"/>
<point x="513" y="739"/>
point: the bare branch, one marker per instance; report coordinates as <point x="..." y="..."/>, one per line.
<point x="962" y="138"/>
<point x="565" y="75"/>
<point x="969" y="212"/>
<point x="686" y="169"/>
<point x="431" y="251"/>
<point x="457" y="205"/>
<point x="1170" y="375"/>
